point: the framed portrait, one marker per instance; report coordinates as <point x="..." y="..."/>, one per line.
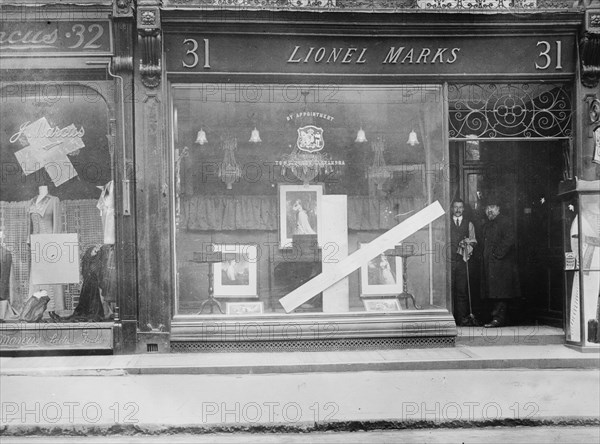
<point x="382" y="305"/>
<point x="381" y="276"/>
<point x="299" y="212"/>
<point x="237" y="276"/>
<point x="244" y="308"/>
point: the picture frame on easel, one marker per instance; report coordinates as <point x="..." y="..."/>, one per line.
<point x="299" y="212"/>
<point x="381" y="276"/>
<point x="236" y="277"/>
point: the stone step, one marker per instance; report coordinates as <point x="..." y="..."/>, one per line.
<point x="510" y="335"/>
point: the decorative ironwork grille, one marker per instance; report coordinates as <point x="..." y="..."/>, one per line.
<point x="494" y="111"/>
<point x="306" y="346"/>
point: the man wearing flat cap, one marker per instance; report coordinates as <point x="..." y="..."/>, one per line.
<point x="499" y="278"/>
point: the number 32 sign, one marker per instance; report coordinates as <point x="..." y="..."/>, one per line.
<point x="84" y="37"/>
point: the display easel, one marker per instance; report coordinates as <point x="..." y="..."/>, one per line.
<point x="405" y="252"/>
<point x="210" y="258"/>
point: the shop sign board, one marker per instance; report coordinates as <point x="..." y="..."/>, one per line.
<point x="434" y="55"/>
<point x="46" y="336"/>
<point x="66" y="38"/>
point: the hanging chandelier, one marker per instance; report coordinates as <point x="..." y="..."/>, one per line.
<point x="255" y="136"/>
<point x="378" y="173"/>
<point x="361" y="137"/>
<point x="412" y="138"/>
<point x="229" y="170"/>
<point x="201" y="137"/>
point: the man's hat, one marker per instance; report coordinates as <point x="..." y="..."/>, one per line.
<point x="493" y="199"/>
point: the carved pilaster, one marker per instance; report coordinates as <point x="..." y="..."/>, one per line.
<point x="149" y="38"/>
<point x="122" y="61"/>
<point x="152" y="207"/>
<point x="121" y="139"/>
<point x="589" y="49"/>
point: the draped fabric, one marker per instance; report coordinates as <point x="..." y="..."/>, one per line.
<point x="90" y="306"/>
<point x="366" y="213"/>
<point x="77" y="216"/>
<point x="15" y="224"/>
<point x="229" y="213"/>
<point x="5" y="272"/>
<point x="225" y="213"/>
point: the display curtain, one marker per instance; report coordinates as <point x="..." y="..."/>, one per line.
<point x="77" y="216"/>
<point x="229" y="213"/>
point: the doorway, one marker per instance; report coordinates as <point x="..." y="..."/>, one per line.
<point x="525" y="174"/>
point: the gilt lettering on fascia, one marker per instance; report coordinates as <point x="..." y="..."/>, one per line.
<point x="357" y="55"/>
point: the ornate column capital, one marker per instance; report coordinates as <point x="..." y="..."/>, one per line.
<point x="149" y="38"/>
<point x="589" y="48"/>
<point x="123" y="8"/>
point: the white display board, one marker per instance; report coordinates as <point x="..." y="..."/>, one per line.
<point x="336" y="299"/>
<point x="54" y="258"/>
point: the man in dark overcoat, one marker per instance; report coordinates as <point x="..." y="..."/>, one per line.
<point x="499" y="277"/>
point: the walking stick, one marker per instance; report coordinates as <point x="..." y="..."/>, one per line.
<point x="472" y="318"/>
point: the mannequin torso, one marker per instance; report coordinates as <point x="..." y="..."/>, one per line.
<point x="42" y="192"/>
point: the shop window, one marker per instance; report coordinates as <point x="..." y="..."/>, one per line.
<point x="275" y="183"/>
<point x="582" y="266"/>
<point x="57" y="222"/>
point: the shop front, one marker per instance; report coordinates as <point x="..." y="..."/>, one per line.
<point x="301" y="200"/>
<point x="63" y="206"/>
<point x="204" y="175"/>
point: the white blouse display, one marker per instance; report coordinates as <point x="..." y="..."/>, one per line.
<point x="106" y="205"/>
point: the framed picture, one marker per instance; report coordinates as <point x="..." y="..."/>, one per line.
<point x="237" y="276"/>
<point x="472" y="151"/>
<point x="381" y="276"/>
<point x="299" y="212"/>
<point x="382" y="305"/>
<point x="244" y="308"/>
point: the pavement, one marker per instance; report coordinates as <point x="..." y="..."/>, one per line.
<point x="317" y="392"/>
<point x="300" y="401"/>
<point x="462" y="357"/>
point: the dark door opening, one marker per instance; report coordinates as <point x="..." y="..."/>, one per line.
<point x="526" y="174"/>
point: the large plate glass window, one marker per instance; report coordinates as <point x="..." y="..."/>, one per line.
<point x="277" y="184"/>
<point x="57" y="211"/>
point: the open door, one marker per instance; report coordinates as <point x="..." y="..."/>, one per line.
<point x="526" y="175"/>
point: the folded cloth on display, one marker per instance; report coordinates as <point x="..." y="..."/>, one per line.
<point x="34" y="308"/>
